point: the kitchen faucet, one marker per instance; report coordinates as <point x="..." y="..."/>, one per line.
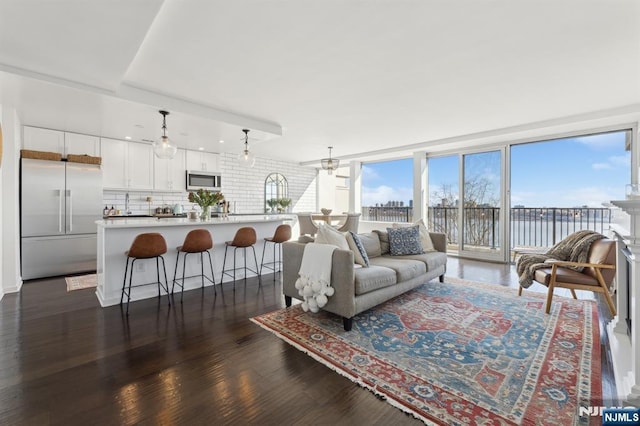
<point x="126" y="204"/>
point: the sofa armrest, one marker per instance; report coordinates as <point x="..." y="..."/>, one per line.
<point x="439" y="241"/>
<point x="342" y="273"/>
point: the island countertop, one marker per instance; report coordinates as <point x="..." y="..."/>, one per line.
<point x="144" y="222"/>
<point x="116" y="235"/>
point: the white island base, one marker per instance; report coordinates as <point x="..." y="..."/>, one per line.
<point x="115" y="237"/>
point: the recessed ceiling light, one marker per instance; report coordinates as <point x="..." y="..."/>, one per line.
<point x="221" y="141"/>
<point x="128" y="138"/>
<point x="139" y="126"/>
<point x="201" y="149"/>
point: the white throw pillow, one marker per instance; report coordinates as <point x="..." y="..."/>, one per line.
<point x="329" y="235"/>
<point x="425" y="238"/>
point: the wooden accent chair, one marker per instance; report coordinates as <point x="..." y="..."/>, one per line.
<point x="598" y="272"/>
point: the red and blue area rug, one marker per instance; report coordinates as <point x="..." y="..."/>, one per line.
<point x="461" y="353"/>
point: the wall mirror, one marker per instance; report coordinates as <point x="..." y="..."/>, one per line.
<point x="276" y="193"/>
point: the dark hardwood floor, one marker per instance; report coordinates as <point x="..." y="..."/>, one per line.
<point x="66" y="360"/>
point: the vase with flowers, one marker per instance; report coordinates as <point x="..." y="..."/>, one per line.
<point x="205" y="199"/>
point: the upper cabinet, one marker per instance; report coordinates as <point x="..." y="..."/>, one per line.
<point x="127" y="165"/>
<point x="203" y="161"/>
<point x="38" y="139"/>
<point x="169" y="175"/>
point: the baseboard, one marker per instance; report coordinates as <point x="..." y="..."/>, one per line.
<point x="13" y="289"/>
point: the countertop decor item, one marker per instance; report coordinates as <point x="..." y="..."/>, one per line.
<point x="326" y="212"/>
<point x="283" y="204"/>
<point x="205" y="199"/>
<point x="164" y="148"/>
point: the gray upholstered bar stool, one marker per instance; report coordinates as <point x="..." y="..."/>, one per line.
<point x="244" y="238"/>
<point x="282" y="234"/>
<point x="145" y="246"/>
<point x="196" y="241"/>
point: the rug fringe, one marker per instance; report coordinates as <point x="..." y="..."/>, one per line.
<point x="354" y="379"/>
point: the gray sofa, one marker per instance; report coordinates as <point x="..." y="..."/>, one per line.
<point x="359" y="289"/>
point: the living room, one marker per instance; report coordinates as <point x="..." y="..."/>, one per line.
<point x="377" y="81"/>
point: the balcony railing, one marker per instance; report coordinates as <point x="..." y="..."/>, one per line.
<point x="530" y="226"/>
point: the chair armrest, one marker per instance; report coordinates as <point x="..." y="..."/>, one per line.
<point x="564" y="263"/>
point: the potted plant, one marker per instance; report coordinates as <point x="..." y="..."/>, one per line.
<point x="205" y="199"/>
<point x="272" y="203"/>
<point x="283" y="204"/>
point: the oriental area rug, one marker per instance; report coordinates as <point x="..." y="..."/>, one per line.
<point x="462" y="353"/>
<point x="81" y="282"/>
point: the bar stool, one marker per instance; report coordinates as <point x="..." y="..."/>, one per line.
<point x="196" y="241"/>
<point x="245" y="237"/>
<point x="145" y="246"/>
<point x="282" y="234"/>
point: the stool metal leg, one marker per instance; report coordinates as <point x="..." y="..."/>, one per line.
<point x="255" y="259"/>
<point x="175" y="272"/>
<point x="166" y="280"/>
<point x="213" y="278"/>
<point x="124" y="281"/>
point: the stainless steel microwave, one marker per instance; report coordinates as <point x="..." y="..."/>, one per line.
<point x="197" y="179"/>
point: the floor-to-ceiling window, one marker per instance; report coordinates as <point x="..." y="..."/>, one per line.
<point x="444" y="193"/>
<point x="564" y="185"/>
<point x="387" y="191"/>
<point x="482" y="204"/>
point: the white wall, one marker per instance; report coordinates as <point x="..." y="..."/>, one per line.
<point x="244" y="187"/>
<point x="9" y="199"/>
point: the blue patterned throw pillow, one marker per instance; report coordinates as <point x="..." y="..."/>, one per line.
<point x="359" y="252"/>
<point x="404" y="241"/>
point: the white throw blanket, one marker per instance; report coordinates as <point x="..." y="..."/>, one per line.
<point x="314" y="283"/>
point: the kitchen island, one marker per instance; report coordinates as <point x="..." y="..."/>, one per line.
<point x="115" y="237"/>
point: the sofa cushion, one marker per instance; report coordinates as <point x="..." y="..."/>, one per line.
<point x="383" y="236"/>
<point x="405" y="269"/>
<point x="356" y="246"/>
<point x="371" y="244"/>
<point x="432" y="259"/>
<point x="373" y="278"/>
<point x="329" y="235"/>
<point x="425" y="238"/>
<point x="404" y="241"/>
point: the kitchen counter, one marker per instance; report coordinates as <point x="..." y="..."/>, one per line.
<point x="115" y="237"/>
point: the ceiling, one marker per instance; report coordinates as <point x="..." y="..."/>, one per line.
<point x="362" y="76"/>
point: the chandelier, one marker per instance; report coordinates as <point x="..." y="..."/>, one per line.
<point x="330" y="164"/>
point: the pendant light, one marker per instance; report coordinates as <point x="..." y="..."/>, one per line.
<point x="330" y="164"/>
<point x="246" y="159"/>
<point x="164" y="148"/>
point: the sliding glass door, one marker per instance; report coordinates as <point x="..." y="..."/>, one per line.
<point x="481" y="211"/>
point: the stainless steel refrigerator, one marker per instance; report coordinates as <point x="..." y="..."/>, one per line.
<point x="60" y="202"/>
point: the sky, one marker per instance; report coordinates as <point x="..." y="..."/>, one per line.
<point x="586" y="170"/>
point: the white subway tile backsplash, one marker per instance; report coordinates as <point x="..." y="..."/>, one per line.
<point x="243" y="187"/>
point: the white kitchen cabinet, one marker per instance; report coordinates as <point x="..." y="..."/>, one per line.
<point x="75" y="143"/>
<point x="114" y="163"/>
<point x="169" y="175"/>
<point x="127" y="165"/>
<point x="203" y="161"/>
<point x="140" y="165"/>
<point x="38" y="139"/>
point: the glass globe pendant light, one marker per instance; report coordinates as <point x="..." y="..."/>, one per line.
<point x="246" y="158"/>
<point x="164" y="148"/>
